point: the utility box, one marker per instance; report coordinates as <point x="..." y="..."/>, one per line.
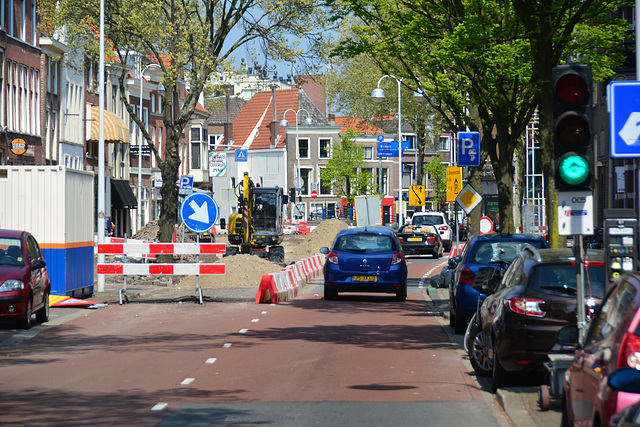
<point x="621" y="243"/>
<point x="56" y="205"/>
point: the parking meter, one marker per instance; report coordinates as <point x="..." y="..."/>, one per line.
<point x="621" y="243"/>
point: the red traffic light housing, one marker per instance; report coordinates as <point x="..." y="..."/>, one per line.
<point x="573" y="127"/>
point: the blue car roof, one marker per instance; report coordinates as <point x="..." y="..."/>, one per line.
<point x="369" y="228"/>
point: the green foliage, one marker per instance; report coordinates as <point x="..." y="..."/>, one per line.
<point x="438" y="177"/>
<point x="344" y="170"/>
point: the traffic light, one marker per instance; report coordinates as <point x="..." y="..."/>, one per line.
<point x="292" y="194"/>
<point x="573" y="127"/>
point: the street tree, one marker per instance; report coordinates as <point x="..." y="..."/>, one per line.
<point x="437" y="178"/>
<point x="190" y="40"/>
<point x="467" y="55"/>
<point x="344" y="171"/>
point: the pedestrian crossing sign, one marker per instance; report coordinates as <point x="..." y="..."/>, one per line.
<point x="241" y="155"/>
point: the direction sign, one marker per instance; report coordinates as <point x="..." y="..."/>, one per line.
<point x="454" y="182"/>
<point x="624" y="115"/>
<point x="575" y="213"/>
<point x="199" y="212"/>
<point x="468" y="148"/>
<point x="417" y="195"/>
<point x="468" y="198"/>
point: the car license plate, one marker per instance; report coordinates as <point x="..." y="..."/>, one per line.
<point x="366" y="278"/>
<point x="415" y="239"/>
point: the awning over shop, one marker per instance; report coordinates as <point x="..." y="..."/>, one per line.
<point x="114" y="129"/>
<point x="122" y="196"/>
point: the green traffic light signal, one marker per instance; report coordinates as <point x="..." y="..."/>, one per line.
<point x="574" y="169"/>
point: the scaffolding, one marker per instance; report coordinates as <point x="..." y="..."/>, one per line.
<point x="534" y="209"/>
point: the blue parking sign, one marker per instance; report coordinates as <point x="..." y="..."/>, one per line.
<point x="468" y="148"/>
<point x="624" y="116"/>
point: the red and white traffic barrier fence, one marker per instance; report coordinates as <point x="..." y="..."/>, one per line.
<point x="284" y="285"/>
<point x="128" y="248"/>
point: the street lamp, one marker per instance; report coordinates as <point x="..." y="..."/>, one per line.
<point x="378" y="96"/>
<point x="285" y="123"/>
<point x="142" y="70"/>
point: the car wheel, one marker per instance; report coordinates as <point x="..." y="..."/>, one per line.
<point x="329" y="293"/>
<point x="25" y="322"/>
<point x="479" y="352"/>
<point x="459" y="325"/>
<point x="447" y="247"/>
<point x="276" y="254"/>
<point x="401" y="295"/>
<point x="436" y="254"/>
<point x="499" y="375"/>
<point x="42" y="315"/>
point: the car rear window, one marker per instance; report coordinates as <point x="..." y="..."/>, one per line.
<point x="560" y="279"/>
<point x="427" y="220"/>
<point x="368" y="243"/>
<point x="488" y="252"/>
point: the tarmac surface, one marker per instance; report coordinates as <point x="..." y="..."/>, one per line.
<point x="519" y="403"/>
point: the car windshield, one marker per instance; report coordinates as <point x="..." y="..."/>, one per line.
<point x="561" y="280"/>
<point x="427" y="220"/>
<point x="488" y="252"/>
<point x="365" y="242"/>
<point x="11" y="252"/>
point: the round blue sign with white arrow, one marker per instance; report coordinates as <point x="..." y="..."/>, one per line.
<point x="199" y="212"/>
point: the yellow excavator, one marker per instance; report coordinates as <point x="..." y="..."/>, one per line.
<point x="258" y="226"/>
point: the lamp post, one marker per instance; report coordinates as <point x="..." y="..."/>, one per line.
<point x="285" y="123"/>
<point x="378" y="96"/>
<point x="142" y="70"/>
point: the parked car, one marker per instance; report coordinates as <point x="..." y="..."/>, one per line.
<point x="611" y="342"/>
<point x="438" y="220"/>
<point x="24" y="283"/>
<point x="626" y="380"/>
<point x="520" y="320"/>
<point x="420" y="240"/>
<point x="481" y="251"/>
<point x="365" y="259"/>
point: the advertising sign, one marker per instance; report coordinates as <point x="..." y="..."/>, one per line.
<point x="217" y="164"/>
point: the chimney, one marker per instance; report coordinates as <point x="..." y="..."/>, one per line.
<point x="274" y="126"/>
<point x="332" y="119"/>
<point x="228" y="124"/>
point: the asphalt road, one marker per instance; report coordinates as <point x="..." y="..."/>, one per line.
<point x="358" y="360"/>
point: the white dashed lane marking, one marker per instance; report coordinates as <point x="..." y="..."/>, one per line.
<point x="211" y="360"/>
<point x="428" y="273"/>
<point x="226" y="345"/>
<point x="243" y="331"/>
<point x="187" y="381"/>
<point x="159" y="406"/>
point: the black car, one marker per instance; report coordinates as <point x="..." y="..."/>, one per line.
<point x="520" y="320"/>
<point x="420" y="240"/>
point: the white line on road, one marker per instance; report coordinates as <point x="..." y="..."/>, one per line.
<point x="159" y="406"/>
<point x="428" y="273"/>
<point x="211" y="360"/>
<point x="255" y="320"/>
<point x="243" y="331"/>
<point x="187" y="381"/>
<point x="226" y="345"/>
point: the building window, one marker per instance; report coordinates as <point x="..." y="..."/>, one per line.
<point x="195" y="155"/>
<point x="324" y="188"/>
<point x="303" y="148"/>
<point x="444" y="143"/>
<point x="195" y="134"/>
<point x="368" y="153"/>
<point x="325" y="148"/>
<point x="153" y="102"/>
<point x="306" y="181"/>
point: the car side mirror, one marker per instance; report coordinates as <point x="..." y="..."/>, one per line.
<point x="324" y="250"/>
<point x="568" y="336"/>
<point x="625" y="379"/>
<point x="38" y="264"/>
<point x="453" y="262"/>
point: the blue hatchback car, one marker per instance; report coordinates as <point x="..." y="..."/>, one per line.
<point x="481" y="251"/>
<point x="365" y="259"/>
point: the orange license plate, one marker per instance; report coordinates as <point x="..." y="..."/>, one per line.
<point x="415" y="239"/>
<point x="366" y="278"/>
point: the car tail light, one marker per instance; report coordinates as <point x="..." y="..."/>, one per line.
<point x="527" y="306"/>
<point x="397" y="258"/>
<point x="431" y="239"/>
<point x="629" y="354"/>
<point x="443" y="228"/>
<point x="401" y="239"/>
<point x="466" y="276"/>
<point x="332" y="258"/>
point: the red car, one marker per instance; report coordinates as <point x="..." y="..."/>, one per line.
<point x="24" y="283"/>
<point x="612" y="342"/>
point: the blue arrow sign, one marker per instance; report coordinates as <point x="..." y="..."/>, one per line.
<point x="624" y="116"/>
<point x="199" y="212"/>
<point x="468" y="148"/>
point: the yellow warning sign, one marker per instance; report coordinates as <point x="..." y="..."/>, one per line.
<point x="454" y="182"/>
<point x="417" y="195"/>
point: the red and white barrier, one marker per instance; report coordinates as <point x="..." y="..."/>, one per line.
<point x="284" y="285"/>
